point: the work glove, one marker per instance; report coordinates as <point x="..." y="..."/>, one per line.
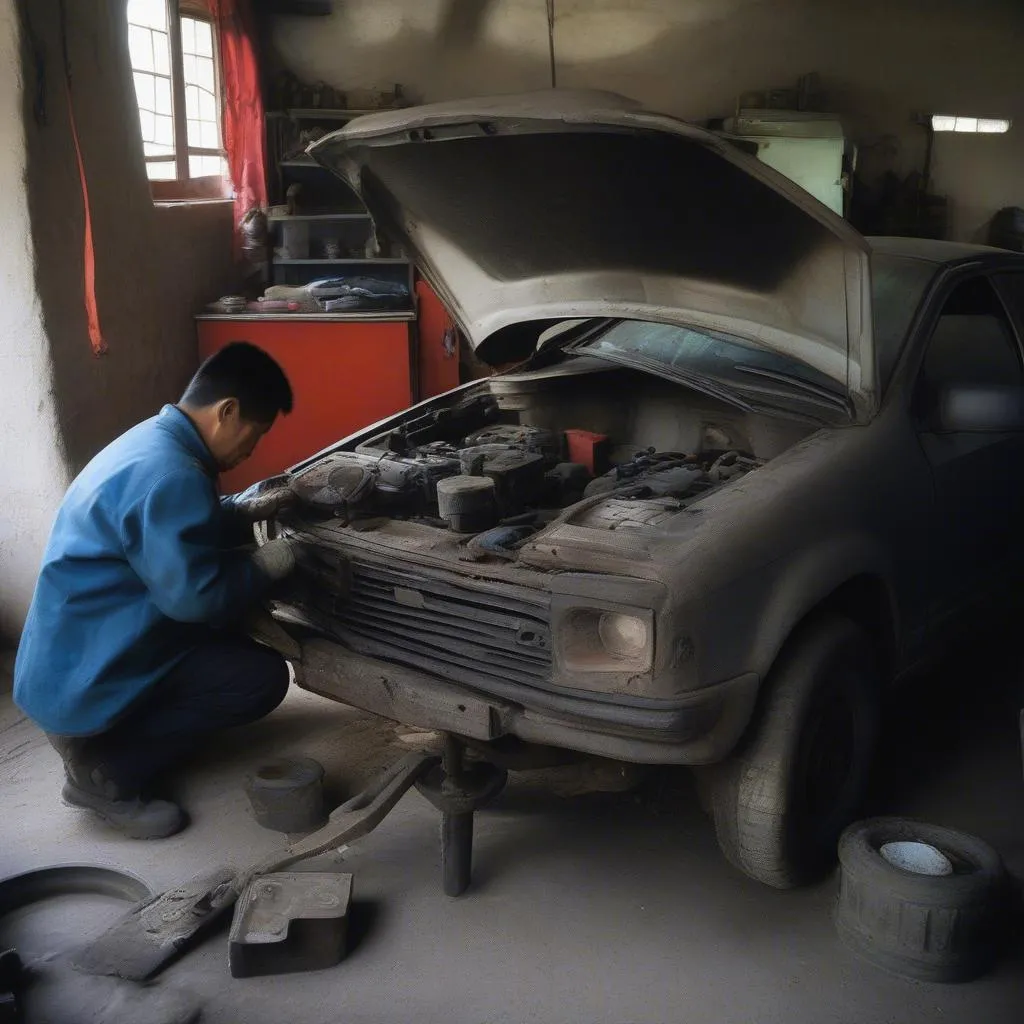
<point x="276" y="559"/>
<point x="264" y="500"/>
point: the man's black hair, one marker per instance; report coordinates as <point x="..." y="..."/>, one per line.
<point x="247" y="373"/>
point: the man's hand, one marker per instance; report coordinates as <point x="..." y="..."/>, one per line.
<point x="264" y="500"/>
<point x="276" y="559"/>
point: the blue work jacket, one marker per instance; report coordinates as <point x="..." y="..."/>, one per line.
<point x="139" y="564"/>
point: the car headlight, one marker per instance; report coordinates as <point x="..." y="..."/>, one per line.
<point x="595" y="640"/>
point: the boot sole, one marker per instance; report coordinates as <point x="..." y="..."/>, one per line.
<point x="72" y="796"/>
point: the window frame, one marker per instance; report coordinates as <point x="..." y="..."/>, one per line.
<point x="955" y="277"/>
<point x="183" y="187"/>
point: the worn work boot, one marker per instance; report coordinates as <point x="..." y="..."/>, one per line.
<point x="86" y="785"/>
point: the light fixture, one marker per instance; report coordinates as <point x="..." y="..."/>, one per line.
<point x="977" y="125"/>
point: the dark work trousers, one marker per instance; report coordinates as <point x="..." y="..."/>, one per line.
<point x="223" y="683"/>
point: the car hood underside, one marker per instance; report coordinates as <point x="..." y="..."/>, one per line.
<point x="567" y="204"/>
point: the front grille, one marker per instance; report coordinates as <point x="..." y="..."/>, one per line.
<point x="470" y="631"/>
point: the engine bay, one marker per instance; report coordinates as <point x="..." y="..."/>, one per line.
<point x="474" y="470"/>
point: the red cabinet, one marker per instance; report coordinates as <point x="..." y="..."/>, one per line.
<point x="345" y="371"/>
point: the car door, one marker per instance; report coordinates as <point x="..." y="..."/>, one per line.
<point x="978" y="542"/>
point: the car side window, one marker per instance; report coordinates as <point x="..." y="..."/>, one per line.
<point x="973" y="343"/>
<point x="1011" y="287"/>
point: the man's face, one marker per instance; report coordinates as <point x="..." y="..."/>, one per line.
<point x="233" y="438"/>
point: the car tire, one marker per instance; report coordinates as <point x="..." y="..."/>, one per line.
<point x="798" y="779"/>
<point x="925" y="926"/>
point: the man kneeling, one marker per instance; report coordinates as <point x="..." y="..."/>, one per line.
<point x="128" y="658"/>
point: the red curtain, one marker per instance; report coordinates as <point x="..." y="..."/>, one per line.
<point x="244" y="139"/>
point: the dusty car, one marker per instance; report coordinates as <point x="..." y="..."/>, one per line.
<point x="730" y="490"/>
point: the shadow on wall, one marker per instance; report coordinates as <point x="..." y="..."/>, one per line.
<point x="880" y="61"/>
<point x="154" y="266"/>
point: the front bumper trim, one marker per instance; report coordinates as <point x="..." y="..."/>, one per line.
<point x="700" y="728"/>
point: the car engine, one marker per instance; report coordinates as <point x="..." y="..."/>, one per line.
<point x="464" y="470"/>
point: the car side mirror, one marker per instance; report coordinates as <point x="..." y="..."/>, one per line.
<point x="981" y="409"/>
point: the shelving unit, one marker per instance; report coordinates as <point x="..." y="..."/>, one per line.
<point x="330" y="232"/>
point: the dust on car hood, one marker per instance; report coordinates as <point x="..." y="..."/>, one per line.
<point x="569" y="204"/>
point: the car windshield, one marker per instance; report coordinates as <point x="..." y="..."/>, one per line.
<point x="739" y="367"/>
<point x="898" y="284"/>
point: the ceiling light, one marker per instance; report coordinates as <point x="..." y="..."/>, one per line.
<point x="977" y="125"/>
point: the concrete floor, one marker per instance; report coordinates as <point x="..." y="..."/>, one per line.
<point x="597" y="908"/>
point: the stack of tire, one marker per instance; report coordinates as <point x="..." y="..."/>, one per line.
<point x="923" y="901"/>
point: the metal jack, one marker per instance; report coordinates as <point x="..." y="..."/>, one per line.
<point x="457" y="790"/>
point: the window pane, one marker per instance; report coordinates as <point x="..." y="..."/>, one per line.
<point x="204" y="38"/>
<point x="140" y="46"/>
<point x="162" y="53"/>
<point x="204" y="74"/>
<point x="210" y="135"/>
<point x="188" y="35"/>
<point x="195" y="133"/>
<point x="994" y="125"/>
<point x="192" y="101"/>
<point x="146" y="123"/>
<point x="717" y="356"/>
<point x="148" y="12"/>
<point x="188" y="66"/>
<point x="161" y="170"/>
<point x="972" y="342"/>
<point x="943" y="123"/>
<point x="144" y="91"/>
<point x="155" y="149"/>
<point x="164" y="131"/>
<point x="163" y="95"/>
<point x="898" y="285"/>
<point x="1012" y="287"/>
<point x="207" y="106"/>
<point x="201" y="166"/>
<point x="966" y="124"/>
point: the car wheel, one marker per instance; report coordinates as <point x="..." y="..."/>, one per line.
<point x="920" y="900"/>
<point x="782" y="799"/>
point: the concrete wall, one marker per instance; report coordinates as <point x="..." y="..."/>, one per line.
<point x="879" y="60"/>
<point x="155" y="266"/>
<point x="32" y="471"/>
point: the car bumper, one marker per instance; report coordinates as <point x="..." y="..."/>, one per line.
<point x="699" y="728"/>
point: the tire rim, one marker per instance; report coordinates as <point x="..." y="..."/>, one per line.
<point x="917" y="858"/>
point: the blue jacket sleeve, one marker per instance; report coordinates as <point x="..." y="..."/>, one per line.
<point x="237" y="527"/>
<point x="173" y="540"/>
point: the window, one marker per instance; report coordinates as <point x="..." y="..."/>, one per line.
<point x="1011" y="287"/>
<point x="174" y="64"/>
<point x="898" y="284"/>
<point x="973" y="342"/>
<point x="738" y="365"/>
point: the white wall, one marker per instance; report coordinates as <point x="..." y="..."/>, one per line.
<point x="32" y="471"/>
<point x="880" y="60"/>
<point x="155" y="267"/>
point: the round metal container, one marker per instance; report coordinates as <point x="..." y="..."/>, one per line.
<point x="287" y="794"/>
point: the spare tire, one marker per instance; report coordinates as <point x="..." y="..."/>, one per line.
<point x="941" y="916"/>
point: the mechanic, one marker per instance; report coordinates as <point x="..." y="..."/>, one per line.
<point x="133" y="652"/>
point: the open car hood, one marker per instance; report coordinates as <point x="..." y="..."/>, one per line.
<point x="567" y="204"/>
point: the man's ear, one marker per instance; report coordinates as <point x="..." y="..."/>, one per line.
<point x="227" y="408"/>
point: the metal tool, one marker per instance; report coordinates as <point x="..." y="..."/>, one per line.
<point x="157" y="930"/>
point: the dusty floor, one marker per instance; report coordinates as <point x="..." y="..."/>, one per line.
<point x="598" y="908"/>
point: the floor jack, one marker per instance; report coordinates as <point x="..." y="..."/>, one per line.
<point x="300" y="915"/>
